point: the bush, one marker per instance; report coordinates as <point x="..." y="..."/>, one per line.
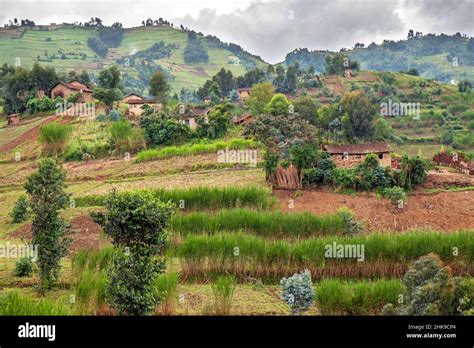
<point x="298" y="291"/>
<point x="431" y="290"/>
<point x="21" y="210"/>
<point x="136" y="223"/>
<point x="223" y="290"/>
<point x="24" y="267"/>
<point x="54" y="137"/>
<point x="114" y="115"/>
<point x="396" y="195"/>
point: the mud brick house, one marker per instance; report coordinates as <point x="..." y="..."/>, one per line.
<point x="243" y="120"/>
<point x="136" y="103"/>
<point x="13" y="120"/>
<point x="191" y="115"/>
<point x="65" y="89"/>
<point x="348" y="156"/>
<point x="244" y="93"/>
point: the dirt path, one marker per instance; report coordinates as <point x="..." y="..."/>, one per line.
<point x="447" y="211"/>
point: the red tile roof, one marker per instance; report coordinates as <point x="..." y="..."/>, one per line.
<point x="74" y="85"/>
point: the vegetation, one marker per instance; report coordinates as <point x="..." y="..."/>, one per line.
<point x="24" y="267"/>
<point x="166" y="286"/>
<point x="298" y="291"/>
<point x="136" y="224"/>
<point x="16" y="304"/>
<point x="21" y="210"/>
<point x="223" y="290"/>
<point x="47" y="196"/>
<point x="54" y="137"/>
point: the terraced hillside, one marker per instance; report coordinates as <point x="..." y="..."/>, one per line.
<point x="66" y="49"/>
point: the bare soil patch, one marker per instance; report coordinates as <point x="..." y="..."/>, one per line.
<point x="86" y="233"/>
<point x="446" y="211"/>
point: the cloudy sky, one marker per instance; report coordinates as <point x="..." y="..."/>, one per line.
<point x="269" y="28"/>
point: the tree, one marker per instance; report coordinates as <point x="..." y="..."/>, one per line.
<point x="47" y="195"/>
<point x="159" y="88"/>
<point x="85" y="78"/>
<point x="136" y="223"/>
<point x="290" y="79"/>
<point x="464" y="86"/>
<point x="278" y="105"/>
<point x="110" y="78"/>
<point x="382" y="130"/>
<point x="107" y="96"/>
<point x="225" y="80"/>
<point x="260" y="96"/>
<point x="359" y="112"/>
<point x="195" y="51"/>
<point x="338" y="62"/>
<point x="307" y="107"/>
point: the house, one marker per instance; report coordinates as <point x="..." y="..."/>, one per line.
<point x="136" y="103"/>
<point x="132" y="96"/>
<point x="244" y="93"/>
<point x="243" y="120"/>
<point x="191" y="115"/>
<point x="13" y="120"/>
<point x="348" y="156"/>
<point x="66" y="89"/>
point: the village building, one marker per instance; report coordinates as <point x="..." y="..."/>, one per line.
<point x="136" y="103"/>
<point x="191" y="116"/>
<point x="348" y="156"/>
<point x="13" y="120"/>
<point x="244" y="93"/>
<point x="243" y="120"/>
<point x="66" y="89"/>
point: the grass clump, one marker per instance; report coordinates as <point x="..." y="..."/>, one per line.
<point x="54" y="137"/>
<point x="14" y="303"/>
<point x="265" y="223"/>
<point x="200" y="198"/>
<point x="166" y="286"/>
<point x="342" y="297"/>
<point x="195" y="149"/>
<point x="223" y="291"/>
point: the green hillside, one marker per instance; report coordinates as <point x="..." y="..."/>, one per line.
<point x="66" y="49"/>
<point x="442" y="57"/>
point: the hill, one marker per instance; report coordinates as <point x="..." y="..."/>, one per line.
<point x="442" y="57"/>
<point x="141" y="51"/>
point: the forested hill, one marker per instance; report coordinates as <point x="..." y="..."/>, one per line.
<point x="442" y="57"/>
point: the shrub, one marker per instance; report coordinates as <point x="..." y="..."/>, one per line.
<point x="223" y="290"/>
<point x="136" y="223"/>
<point x="13" y="303"/>
<point x="24" y="267"/>
<point x="396" y="195"/>
<point x="48" y="197"/>
<point x="21" y="210"/>
<point x="54" y="137"/>
<point x="114" y="115"/>
<point x="123" y="137"/>
<point x="298" y="291"/>
<point x="431" y="290"/>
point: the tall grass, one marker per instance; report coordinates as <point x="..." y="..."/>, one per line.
<point x="90" y="280"/>
<point x="16" y="304"/>
<point x="166" y="286"/>
<point x="54" y="137"/>
<point x="385" y="254"/>
<point x="340" y="297"/>
<point x="200" y="198"/>
<point x="195" y="149"/>
<point x="265" y="223"/>
<point x="223" y="290"/>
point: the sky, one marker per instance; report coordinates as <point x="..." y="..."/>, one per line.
<point x="268" y="28"/>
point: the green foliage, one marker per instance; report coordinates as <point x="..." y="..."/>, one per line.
<point x="54" y="137"/>
<point x="216" y="125"/>
<point x="338" y="62"/>
<point x="110" y="78"/>
<point x="106" y="95"/>
<point x="124" y="138"/>
<point x="195" y="51"/>
<point x="278" y="105"/>
<point x="13" y="303"/>
<point x="413" y="171"/>
<point x="307" y="107"/>
<point x="431" y="290"/>
<point x="24" y="267"/>
<point x="202" y="147"/>
<point x="136" y="223"/>
<point x="47" y="193"/>
<point x="200" y="198"/>
<point x="159" y="88"/>
<point x="98" y="46"/>
<point x="395" y="194"/>
<point x="21" y="210"/>
<point x="45" y="104"/>
<point x="166" y="286"/>
<point x="342" y="297"/>
<point x="223" y="290"/>
<point x="265" y="223"/>
<point x="359" y="112"/>
<point x="298" y="291"/>
<point x="163" y="130"/>
<point x="260" y="96"/>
